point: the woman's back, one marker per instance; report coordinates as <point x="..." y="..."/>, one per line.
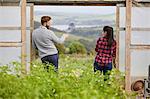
<point x="105" y="54"/>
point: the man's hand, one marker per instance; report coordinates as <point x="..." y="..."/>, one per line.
<point x="66" y="35"/>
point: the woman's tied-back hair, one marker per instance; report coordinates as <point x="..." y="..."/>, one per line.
<point x="45" y="19"/>
<point x="109" y="35"/>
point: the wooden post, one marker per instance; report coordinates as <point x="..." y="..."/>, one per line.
<point x="127" y="46"/>
<point x="32" y="51"/>
<point x="23" y="36"/>
<point x="117" y="34"/>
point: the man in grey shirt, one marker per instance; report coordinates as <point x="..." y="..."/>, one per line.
<point x="43" y="40"/>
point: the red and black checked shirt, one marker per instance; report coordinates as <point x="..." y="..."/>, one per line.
<point x="104" y="53"/>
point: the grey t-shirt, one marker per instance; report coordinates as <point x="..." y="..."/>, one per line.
<point x="44" y="39"/>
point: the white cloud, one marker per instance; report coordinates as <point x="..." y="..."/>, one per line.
<point x="77" y="9"/>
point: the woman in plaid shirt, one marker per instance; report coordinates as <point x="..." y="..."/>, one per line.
<point x="106" y="51"/>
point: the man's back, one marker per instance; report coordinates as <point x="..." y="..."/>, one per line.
<point x="42" y="39"/>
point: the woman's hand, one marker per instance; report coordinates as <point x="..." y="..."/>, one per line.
<point x="114" y="63"/>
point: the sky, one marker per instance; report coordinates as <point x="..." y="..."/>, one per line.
<point x="78" y="9"/>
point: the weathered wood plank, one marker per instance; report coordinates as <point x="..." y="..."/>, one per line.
<point x="127" y="46"/>
<point x="117" y="34"/>
<point x="77" y="2"/>
<point x="140" y="47"/>
<point x="15" y="28"/>
<point x="32" y="51"/>
<point x="23" y="36"/>
<point x="10" y="44"/>
<point x="135" y="29"/>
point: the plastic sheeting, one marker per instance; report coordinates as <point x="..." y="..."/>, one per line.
<point x="11" y="17"/>
<point x="10" y="35"/>
<point x="140" y="37"/>
<point x="140" y="62"/>
<point x="140" y="59"/>
<point x="140" y="17"/>
<point x="9" y="54"/>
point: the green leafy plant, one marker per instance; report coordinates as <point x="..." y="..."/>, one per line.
<point x="77" y="47"/>
<point x="74" y="80"/>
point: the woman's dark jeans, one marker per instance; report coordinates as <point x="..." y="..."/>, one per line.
<point x="103" y="69"/>
<point x="51" y="59"/>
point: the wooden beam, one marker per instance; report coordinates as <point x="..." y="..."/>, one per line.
<point x="10" y="28"/>
<point x="142" y="1"/>
<point x="140" y="29"/>
<point x="127" y="46"/>
<point x="140" y="47"/>
<point x="9" y="4"/>
<point x="9" y="1"/>
<point x="10" y="44"/>
<point x="117" y="34"/>
<point x="23" y="35"/>
<point x="135" y="29"/>
<point x="72" y="2"/>
<point x="77" y="2"/>
<point x="14" y="28"/>
<point x="32" y="51"/>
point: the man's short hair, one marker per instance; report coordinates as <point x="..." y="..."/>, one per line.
<point x="45" y="19"/>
